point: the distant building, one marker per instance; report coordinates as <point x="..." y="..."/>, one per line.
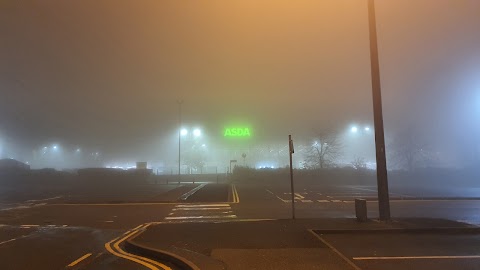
<point x="12" y="164"/>
<point x="141" y="165"/>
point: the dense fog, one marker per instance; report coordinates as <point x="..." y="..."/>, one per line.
<point x="99" y="84"/>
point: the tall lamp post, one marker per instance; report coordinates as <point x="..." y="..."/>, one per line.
<point x="179" y="102"/>
<point x="382" y="179"/>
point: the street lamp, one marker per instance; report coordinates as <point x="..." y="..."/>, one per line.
<point x="183" y="132"/>
<point x="382" y="178"/>
<point x="197" y="132"/>
<point x="180" y="131"/>
<point x="354" y="129"/>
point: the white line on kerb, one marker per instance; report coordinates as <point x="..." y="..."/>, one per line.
<point x="417" y="257"/>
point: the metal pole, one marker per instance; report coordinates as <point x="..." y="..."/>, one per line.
<point x="382" y="178"/>
<point x="290" y="146"/>
<point x="179" y="135"/>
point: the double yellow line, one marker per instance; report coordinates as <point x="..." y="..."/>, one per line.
<point x="236" y="199"/>
<point x="114" y="248"/>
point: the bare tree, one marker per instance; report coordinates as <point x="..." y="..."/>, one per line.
<point x="409" y="150"/>
<point x="324" y="151"/>
<point x="359" y="163"/>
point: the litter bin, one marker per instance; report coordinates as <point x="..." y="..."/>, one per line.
<point x="361" y="210"/>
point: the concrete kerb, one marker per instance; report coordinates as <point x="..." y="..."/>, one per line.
<point x="166" y="256"/>
<point x="152" y="253"/>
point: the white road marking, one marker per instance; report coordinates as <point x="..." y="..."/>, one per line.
<point x="417" y="257"/>
<point x="29" y="226"/>
<point x="306" y="201"/>
<point x="298" y="196"/>
<point x="335" y="250"/>
<point x="336" y="201"/>
<point x="13" y="239"/>
<point x="269" y="191"/>
<point x="201" y="217"/>
<point x="217" y="211"/>
<point x="201" y="209"/>
<point x="285" y="201"/>
<point x="374" y="191"/>
<point x="201" y="205"/>
<point x="355" y="196"/>
<point x="42" y="200"/>
<point x="191" y="192"/>
<point x="323" y="201"/>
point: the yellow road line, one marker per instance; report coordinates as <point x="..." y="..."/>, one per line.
<point x="138" y="227"/>
<point x="117" y="251"/>
<point x="236" y="198"/>
<point x="80" y="259"/>
<point x="116" y="245"/>
<point x="149" y="266"/>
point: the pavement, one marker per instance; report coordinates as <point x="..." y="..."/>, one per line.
<point x="313" y="244"/>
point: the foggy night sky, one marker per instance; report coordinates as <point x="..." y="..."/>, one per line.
<point x="107" y="74"/>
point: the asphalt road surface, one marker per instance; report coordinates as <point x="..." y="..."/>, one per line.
<point x="75" y="230"/>
<point x="407" y="251"/>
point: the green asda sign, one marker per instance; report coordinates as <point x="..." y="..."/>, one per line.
<point x="237" y="132"/>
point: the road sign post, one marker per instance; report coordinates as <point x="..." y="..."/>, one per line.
<point x="290" y="145"/>
<point x="232" y="161"/>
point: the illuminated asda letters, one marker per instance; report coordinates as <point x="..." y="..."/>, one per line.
<point x="237" y="132"/>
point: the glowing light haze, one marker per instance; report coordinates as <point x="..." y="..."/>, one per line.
<point x="105" y="75"/>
